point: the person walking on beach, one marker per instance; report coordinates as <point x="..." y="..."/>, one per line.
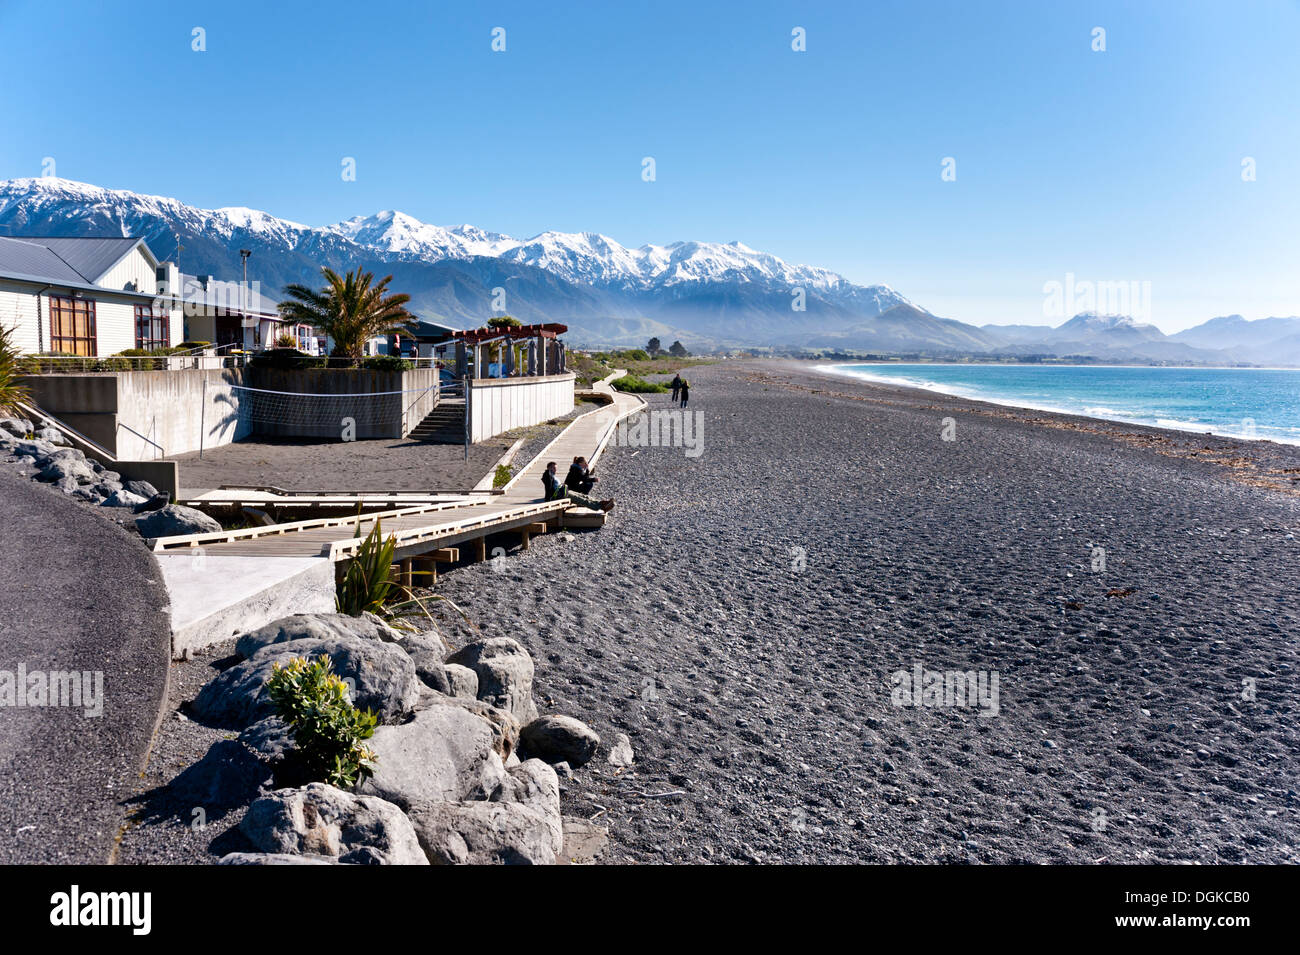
<point x="579" y="477"/>
<point x="556" y="491"/>
<point x="686" y="392"/>
<point x="677" y="387"/>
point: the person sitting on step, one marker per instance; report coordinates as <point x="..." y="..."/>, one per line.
<point x="556" y="491"/>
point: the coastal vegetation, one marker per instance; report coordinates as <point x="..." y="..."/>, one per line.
<point x="12" y="390"/>
<point x="329" y="732"/>
<point x="350" y="309"/>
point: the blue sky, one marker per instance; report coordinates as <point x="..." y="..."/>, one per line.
<point x="1115" y="166"/>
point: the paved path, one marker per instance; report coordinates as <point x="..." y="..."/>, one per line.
<point x="77" y="592"/>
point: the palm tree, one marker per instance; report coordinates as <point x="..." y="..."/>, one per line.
<point x="350" y="309"/>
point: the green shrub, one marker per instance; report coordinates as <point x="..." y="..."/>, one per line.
<point x="190" y="346"/>
<point x="12" y="367"/>
<point x="285" y="359"/>
<point x="386" y="363"/>
<point x="637" y="385"/>
<point x="634" y="354"/>
<point x="502" y="476"/>
<point x="328" y="731"/>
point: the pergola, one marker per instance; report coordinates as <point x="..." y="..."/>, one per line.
<point x="544" y="355"/>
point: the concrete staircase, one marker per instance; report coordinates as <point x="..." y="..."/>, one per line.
<point x="445" y="424"/>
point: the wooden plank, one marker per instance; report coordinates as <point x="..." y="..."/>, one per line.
<point x="446" y="555"/>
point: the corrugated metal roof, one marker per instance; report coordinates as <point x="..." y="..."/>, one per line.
<point x="92" y="257"/>
<point x="23" y="258"/>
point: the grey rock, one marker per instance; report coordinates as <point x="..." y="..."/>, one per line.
<point x="441" y="755"/>
<point x="429" y="668"/>
<point x="320" y="820"/>
<point x="559" y="739"/>
<point x="463" y="681"/>
<point x="620" y="754"/>
<point x="309" y="626"/>
<point x="273" y="858"/>
<point x="175" y="521"/>
<point x="18" y="427"/>
<point x="422" y="641"/>
<point x="143" y="488"/>
<point x="270" y="738"/>
<point x="52" y="435"/>
<point x="583" y="841"/>
<point x="155" y="503"/>
<point x="65" y="465"/>
<point x="485" y="833"/>
<point x="123" y="498"/>
<point x="381" y="677"/>
<point x="505" y="728"/>
<point x="32" y="449"/>
<point x="505" y="674"/>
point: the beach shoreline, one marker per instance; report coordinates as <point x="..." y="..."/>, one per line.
<point x="743" y="615"/>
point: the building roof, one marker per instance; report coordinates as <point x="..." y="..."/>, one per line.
<point x="35" y="262"/>
<point x="20" y="258"/>
<point x="93" y="256"/>
<point x="476" y="336"/>
<point x="203" y="291"/>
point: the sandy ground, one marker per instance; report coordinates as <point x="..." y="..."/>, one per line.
<point x="742" y="615"/>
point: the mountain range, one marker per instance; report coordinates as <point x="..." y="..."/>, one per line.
<point x="707" y="294"/>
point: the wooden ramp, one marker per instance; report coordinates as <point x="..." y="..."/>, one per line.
<point x="431" y="525"/>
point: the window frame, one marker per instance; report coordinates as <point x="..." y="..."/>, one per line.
<point x="158" y="325"/>
<point x="64" y="308"/>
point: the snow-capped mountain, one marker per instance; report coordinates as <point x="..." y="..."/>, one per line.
<point x="705" y="292"/>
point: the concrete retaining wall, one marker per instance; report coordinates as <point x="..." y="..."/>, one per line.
<point x="500" y="404"/>
<point x="148" y="415"/>
<point x="275" y="411"/>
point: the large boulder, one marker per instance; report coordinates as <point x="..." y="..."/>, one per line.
<point x="320" y="820"/>
<point x="382" y="678"/>
<point x="521" y="826"/>
<point x="121" y="498"/>
<point x="52" y="435"/>
<point x="505" y="674"/>
<point x="143" y="488"/>
<point x="175" y="521"/>
<point x="559" y="739"/>
<point x="505" y="728"/>
<point x="444" y="754"/>
<point x="18" y="427"/>
<point x="65" y="465"/>
<point x="311" y="626"/>
<point x="461" y="681"/>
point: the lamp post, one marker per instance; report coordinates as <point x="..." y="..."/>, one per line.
<point x="243" y="292"/>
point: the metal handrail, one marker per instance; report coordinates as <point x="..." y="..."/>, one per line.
<point x="161" y="452"/>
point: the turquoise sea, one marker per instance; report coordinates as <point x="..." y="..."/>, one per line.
<point x="1240" y="402"/>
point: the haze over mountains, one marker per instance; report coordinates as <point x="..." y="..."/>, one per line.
<point x="706" y="294"/>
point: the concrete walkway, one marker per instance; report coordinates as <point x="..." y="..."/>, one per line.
<point x="77" y="593"/>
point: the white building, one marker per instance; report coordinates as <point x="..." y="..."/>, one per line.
<point x="87" y="296"/>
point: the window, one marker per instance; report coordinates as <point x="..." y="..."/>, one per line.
<point x="151" y="331"/>
<point x="72" y="325"/>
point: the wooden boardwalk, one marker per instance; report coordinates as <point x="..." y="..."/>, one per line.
<point x="434" y="525"/>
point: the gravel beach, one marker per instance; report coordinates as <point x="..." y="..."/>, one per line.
<point x="742" y="614"/>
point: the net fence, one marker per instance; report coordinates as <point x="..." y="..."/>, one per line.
<point x="341" y="417"/>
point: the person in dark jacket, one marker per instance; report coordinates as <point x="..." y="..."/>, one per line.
<point x="579" y="477"/>
<point x="677" y="386"/>
<point x="686" y="392"/>
<point x="556" y="491"/>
